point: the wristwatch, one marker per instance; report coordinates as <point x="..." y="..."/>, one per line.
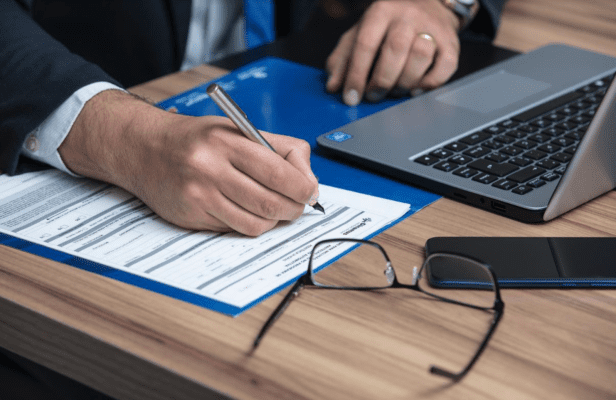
<point x="464" y="9"/>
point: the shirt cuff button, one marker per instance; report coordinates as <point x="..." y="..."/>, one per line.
<point x="32" y="143"/>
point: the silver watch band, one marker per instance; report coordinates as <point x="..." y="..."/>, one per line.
<point x="464" y="9"/>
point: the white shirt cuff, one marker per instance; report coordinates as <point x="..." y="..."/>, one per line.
<point x="43" y="142"/>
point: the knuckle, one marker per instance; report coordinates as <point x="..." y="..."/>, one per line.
<point x="424" y="50"/>
<point x="379" y="9"/>
<point x="270" y="209"/>
<point x="303" y="146"/>
<point x="431" y="82"/>
<point x="276" y="177"/>
<point x="382" y="81"/>
<point x="398" y="43"/>
<point x="306" y="192"/>
<point x="257" y="228"/>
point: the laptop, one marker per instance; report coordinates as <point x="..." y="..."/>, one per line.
<point x="529" y="138"/>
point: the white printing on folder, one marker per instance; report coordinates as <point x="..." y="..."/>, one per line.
<point x="105" y="224"/>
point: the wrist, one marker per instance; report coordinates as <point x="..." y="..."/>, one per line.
<point x="464" y="10"/>
<point x="102" y="142"/>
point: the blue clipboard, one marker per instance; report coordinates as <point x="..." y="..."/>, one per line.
<point x="278" y="96"/>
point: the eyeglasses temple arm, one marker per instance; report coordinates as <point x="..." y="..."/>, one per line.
<point x="499" y="306"/>
<point x="279" y="310"/>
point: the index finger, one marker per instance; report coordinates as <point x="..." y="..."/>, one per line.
<point x="370" y="34"/>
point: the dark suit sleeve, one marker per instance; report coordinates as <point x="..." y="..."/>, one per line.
<point x="37" y="73"/>
<point x="485" y="25"/>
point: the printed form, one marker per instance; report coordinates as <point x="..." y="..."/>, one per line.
<point x="109" y="226"/>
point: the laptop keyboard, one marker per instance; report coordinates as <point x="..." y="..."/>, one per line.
<point x="521" y="154"/>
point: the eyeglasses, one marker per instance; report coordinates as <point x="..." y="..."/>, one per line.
<point x="444" y="272"/>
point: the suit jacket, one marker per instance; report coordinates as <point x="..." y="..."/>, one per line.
<point x="49" y="49"/>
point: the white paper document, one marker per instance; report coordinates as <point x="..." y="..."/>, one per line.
<point x="109" y="226"/>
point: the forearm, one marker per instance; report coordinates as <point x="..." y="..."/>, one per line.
<point x="37" y="74"/>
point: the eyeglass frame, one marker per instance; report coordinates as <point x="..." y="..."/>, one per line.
<point x="307" y="280"/>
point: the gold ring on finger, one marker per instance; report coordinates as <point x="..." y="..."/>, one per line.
<point x="426" y="36"/>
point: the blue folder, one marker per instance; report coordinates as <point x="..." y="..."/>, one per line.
<point x="282" y="97"/>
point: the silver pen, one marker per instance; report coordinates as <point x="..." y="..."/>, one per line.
<point x="240" y="119"/>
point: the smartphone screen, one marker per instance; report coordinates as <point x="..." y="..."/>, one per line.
<point x="530" y="262"/>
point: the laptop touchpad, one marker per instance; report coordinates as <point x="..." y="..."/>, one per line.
<point x="493" y="92"/>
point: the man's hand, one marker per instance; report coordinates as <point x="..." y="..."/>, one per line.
<point x="196" y="172"/>
<point x="407" y="44"/>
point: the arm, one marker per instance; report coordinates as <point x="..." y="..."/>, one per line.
<point x="196" y="172"/>
<point x="37" y="74"/>
<point x="199" y="173"/>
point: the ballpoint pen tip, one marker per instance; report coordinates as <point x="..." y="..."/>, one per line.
<point x="318" y="207"/>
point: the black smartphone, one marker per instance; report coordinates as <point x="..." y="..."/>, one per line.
<point x="530" y="262"/>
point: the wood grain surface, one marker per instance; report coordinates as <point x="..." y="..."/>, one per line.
<point x="135" y="344"/>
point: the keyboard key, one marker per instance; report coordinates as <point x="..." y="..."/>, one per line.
<point x="465" y="172"/>
<point x="461" y="159"/>
<point x="569" y="110"/>
<point x="492" y="144"/>
<point x="588" y="88"/>
<point x="540" y="137"/>
<point x="561" y="170"/>
<point x="541" y="123"/>
<point x="494" y="129"/>
<point x="548" y="164"/>
<point x="508" y="123"/>
<point x="493" y="168"/>
<point x="520" y="161"/>
<point x="552" y="132"/>
<point x="456" y="146"/>
<point x="580" y="105"/>
<point x="549" y="148"/>
<point x="504" y="139"/>
<point x="562" y="157"/>
<point x="427" y="160"/>
<point x="537" y="182"/>
<point x="575" y="135"/>
<point x="554" y="117"/>
<point x="485" y="178"/>
<point x="517" y="134"/>
<point x="564" y="142"/>
<point x="528" y="128"/>
<point x="522" y="189"/>
<point x="596" y="99"/>
<point x="446" y="166"/>
<point x="496" y="157"/>
<point x="512" y="151"/>
<point x="567" y="125"/>
<point x="535" y="154"/>
<point x="580" y="119"/>
<point x="505" y="184"/>
<point x="477" y="152"/>
<point x="547" y="106"/>
<point x="441" y="153"/>
<point x="526" y="174"/>
<point x="475" y="138"/>
<point x="550" y="176"/>
<point x="571" y="150"/>
<point x="525" y="144"/>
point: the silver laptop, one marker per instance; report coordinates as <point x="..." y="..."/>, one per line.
<point x="529" y="138"/>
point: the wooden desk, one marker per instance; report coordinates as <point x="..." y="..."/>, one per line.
<point x="136" y="344"/>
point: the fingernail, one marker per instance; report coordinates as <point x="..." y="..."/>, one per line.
<point x="376" y="95"/>
<point x="351" y="97"/>
<point x="314" y="198"/>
